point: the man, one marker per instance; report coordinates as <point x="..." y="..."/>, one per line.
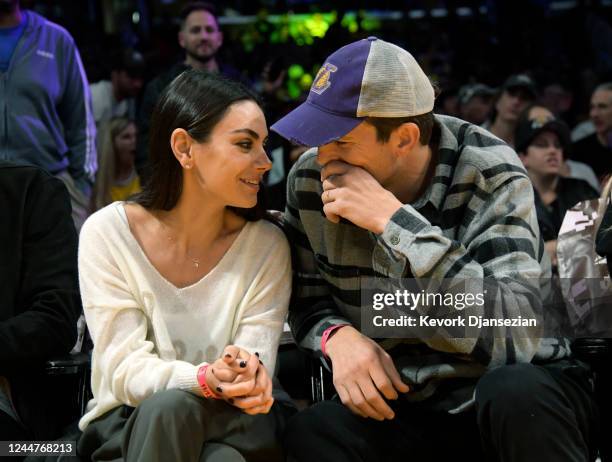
<point x="596" y="149"/>
<point x="397" y="195"/>
<point x="475" y="102"/>
<point x="117" y="97"/>
<point x="40" y="300"/>
<point x="517" y="92"/>
<point x="201" y="38"/>
<point x="45" y="106"/>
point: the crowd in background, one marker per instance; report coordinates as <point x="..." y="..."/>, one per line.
<point x="81" y="108"/>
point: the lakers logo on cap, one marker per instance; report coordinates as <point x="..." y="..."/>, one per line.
<point x="322" y="80"/>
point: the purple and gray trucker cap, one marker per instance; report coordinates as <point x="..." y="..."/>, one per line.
<point x="367" y="78"/>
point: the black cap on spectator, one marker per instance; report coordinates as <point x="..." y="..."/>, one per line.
<point x="521" y="81"/>
<point x="130" y="61"/>
<point x="467" y="92"/>
<point x="530" y="127"/>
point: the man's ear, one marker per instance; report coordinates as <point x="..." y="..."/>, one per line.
<point x="180" y="143"/>
<point x="181" y="38"/>
<point x="405" y="137"/>
<point x="523" y="158"/>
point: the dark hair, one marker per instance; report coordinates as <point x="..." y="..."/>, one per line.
<point x="195" y="101"/>
<point x="385" y="125"/>
<point x="190" y="7"/>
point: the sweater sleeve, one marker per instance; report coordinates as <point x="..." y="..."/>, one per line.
<point x="312" y="309"/>
<point x="124" y="355"/>
<point x="604" y="236"/>
<point x="261" y="325"/>
<point x="78" y="120"/>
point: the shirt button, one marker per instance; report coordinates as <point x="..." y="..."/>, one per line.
<point x="395" y="240"/>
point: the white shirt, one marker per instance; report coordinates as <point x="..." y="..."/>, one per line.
<point x="150" y="335"/>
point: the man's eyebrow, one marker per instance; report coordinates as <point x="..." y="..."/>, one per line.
<point x="248" y="131"/>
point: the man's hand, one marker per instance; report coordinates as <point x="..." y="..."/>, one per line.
<point x="363" y="374"/>
<point x="352" y="193"/>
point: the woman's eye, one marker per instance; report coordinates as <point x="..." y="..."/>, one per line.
<point x="245" y="144"/>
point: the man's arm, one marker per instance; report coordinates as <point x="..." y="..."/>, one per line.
<point x="77" y="117"/>
<point x="311" y="310"/>
<point x="48" y="301"/>
<point x="497" y="243"/>
<point x="363" y="372"/>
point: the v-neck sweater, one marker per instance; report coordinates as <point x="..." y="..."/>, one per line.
<point x="150" y="335"/>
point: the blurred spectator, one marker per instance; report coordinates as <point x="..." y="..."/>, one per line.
<point x="117" y="97"/>
<point x="117" y="178"/>
<point x="45" y="108"/>
<point x="569" y="168"/>
<point x="475" y="102"/>
<point x="201" y="38"/>
<point x="596" y="149"/>
<point x="540" y="142"/>
<point x="517" y="92"/>
<point x="40" y="299"/>
<point x="557" y="97"/>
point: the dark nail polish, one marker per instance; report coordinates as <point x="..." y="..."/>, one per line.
<point x="242" y="363"/>
<point x="260" y="362"/>
<point x="220" y="390"/>
<point x="257" y="354"/>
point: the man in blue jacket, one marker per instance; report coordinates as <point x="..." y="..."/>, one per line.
<point x="45" y="105"/>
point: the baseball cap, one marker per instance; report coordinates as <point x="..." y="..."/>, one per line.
<point x="529" y="128"/>
<point x="367" y="78"/>
<point x="521" y="81"/>
<point x="129" y="60"/>
<point x="467" y="92"/>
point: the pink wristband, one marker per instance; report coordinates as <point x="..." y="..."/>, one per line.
<point x="326" y="333"/>
<point x="206" y="391"/>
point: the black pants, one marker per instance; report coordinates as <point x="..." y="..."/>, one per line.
<point x="175" y="425"/>
<point x="523" y="413"/>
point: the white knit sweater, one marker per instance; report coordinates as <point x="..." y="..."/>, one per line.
<point x="150" y="335"/>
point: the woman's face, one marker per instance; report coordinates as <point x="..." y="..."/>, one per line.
<point x="125" y="144"/>
<point x="544" y="155"/>
<point x="231" y="164"/>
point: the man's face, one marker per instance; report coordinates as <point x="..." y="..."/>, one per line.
<point x="200" y="35"/>
<point x="360" y="148"/>
<point x="127" y="86"/>
<point x="601" y="111"/>
<point x="512" y="102"/>
<point x="477" y="109"/>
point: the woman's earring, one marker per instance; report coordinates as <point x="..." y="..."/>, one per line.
<point x="187" y="166"/>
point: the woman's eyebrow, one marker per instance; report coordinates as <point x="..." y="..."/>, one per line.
<point x="247" y="131"/>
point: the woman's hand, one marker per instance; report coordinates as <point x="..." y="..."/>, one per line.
<point x="259" y="400"/>
<point x="242" y="380"/>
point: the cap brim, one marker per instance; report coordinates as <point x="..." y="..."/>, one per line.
<point x="310" y="126"/>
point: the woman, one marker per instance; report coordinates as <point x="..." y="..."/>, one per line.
<point x="185" y="291"/>
<point x="540" y="141"/>
<point x="117" y="178"/>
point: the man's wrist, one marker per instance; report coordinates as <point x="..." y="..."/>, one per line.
<point x="328" y="340"/>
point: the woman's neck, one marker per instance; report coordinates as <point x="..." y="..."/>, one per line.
<point x="546" y="186"/>
<point x="123" y="171"/>
<point x="196" y="222"/>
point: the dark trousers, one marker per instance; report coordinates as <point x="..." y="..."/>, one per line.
<point x="174" y="425"/>
<point x="523" y="413"/>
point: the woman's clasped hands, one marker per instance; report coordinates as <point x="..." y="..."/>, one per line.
<point x="241" y="379"/>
